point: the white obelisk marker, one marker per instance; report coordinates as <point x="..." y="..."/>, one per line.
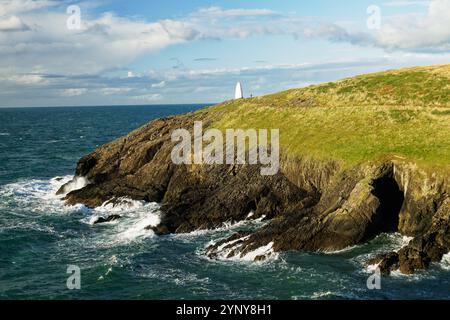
<point x="238" y="92"/>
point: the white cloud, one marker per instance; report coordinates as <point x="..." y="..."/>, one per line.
<point x="73" y="92"/>
<point x="104" y="43"/>
<point x="218" y="12"/>
<point x="48" y="60"/>
<point x="113" y="91"/>
<point x="417" y="33"/>
<point x="8" y="7"/>
<point x="406" y="32"/>
<point x="109" y="42"/>
<point x="31" y="79"/>
<point x="189" y="85"/>
<point x="407" y="3"/>
<point x="12" y="23"/>
<point x="148" y="97"/>
<point x="161" y="84"/>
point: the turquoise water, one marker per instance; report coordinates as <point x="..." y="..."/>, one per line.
<point x="40" y="237"/>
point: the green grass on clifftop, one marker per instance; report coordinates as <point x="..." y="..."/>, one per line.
<point x="401" y="113"/>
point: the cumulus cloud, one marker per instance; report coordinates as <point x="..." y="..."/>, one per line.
<point x="114" y="91"/>
<point x="12" y="23"/>
<point x="417" y="33"/>
<point x="148" y="97"/>
<point x="73" y="92"/>
<point x="407" y="3"/>
<point x="66" y="62"/>
<point x="23" y="79"/>
<point x="8" y="7"/>
<point x="103" y="43"/>
<point x="218" y="12"/>
<point x="109" y="42"/>
<point x="204" y="59"/>
<point x="161" y="84"/>
<point x="407" y="32"/>
<point x="189" y="85"/>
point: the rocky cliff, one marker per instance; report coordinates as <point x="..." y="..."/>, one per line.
<point x="313" y="203"/>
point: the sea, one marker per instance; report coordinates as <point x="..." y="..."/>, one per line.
<point x="49" y="250"/>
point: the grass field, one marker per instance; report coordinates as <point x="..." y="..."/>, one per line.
<point x="403" y="113"/>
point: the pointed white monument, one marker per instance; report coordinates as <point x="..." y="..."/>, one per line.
<point x="238" y="92"/>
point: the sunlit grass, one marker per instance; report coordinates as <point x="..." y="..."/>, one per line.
<point x="402" y="113"/>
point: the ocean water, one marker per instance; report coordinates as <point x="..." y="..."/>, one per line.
<point x="40" y="236"/>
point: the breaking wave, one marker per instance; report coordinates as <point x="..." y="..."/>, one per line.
<point x="136" y="218"/>
<point x="445" y="262"/>
<point x="233" y="251"/>
<point x="39" y="197"/>
<point x="74" y="184"/>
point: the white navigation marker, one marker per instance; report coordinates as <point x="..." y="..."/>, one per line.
<point x="238" y="91"/>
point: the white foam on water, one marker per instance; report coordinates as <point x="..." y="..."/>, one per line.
<point x="417" y="276"/>
<point x="396" y="241"/>
<point x="124" y="206"/>
<point x="139" y="229"/>
<point x="405" y="240"/>
<point x="321" y="294"/>
<point x="223" y="251"/>
<point x="28" y="200"/>
<point x="445" y="262"/>
<point x="176" y="276"/>
<point x="39" y="197"/>
<point x="76" y="183"/>
<point x="385" y="242"/>
<point x="136" y="218"/>
<point x="29" y="225"/>
<point x="226" y="248"/>
<point x="266" y="251"/>
<point x="229" y="243"/>
<point x="371" y="268"/>
<point x="5" y="134"/>
<point x="347" y="249"/>
<point x="226" y="226"/>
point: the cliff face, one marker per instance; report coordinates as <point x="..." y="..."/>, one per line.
<point x="310" y="204"/>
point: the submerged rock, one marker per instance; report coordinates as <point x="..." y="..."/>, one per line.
<point x="386" y="262"/>
<point x="109" y="218"/>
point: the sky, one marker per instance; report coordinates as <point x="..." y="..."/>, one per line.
<point x="115" y="52"/>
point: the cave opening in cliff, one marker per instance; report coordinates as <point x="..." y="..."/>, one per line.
<point x="391" y="200"/>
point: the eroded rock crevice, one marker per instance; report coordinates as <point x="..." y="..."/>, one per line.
<point x="391" y="199"/>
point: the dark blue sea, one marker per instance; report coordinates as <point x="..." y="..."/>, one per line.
<point x="40" y="236"/>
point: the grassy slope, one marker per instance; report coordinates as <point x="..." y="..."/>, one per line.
<point x="403" y="113"/>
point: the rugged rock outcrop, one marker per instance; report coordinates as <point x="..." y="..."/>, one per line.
<point x="309" y="205"/>
<point x="110" y="218"/>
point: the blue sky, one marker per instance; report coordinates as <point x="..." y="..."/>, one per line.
<point x="156" y="52"/>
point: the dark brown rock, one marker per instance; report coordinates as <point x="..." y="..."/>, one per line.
<point x="109" y="218"/>
<point x="311" y="205"/>
<point x="387" y="262"/>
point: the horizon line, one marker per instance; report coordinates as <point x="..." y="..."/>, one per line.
<point x="111" y="105"/>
